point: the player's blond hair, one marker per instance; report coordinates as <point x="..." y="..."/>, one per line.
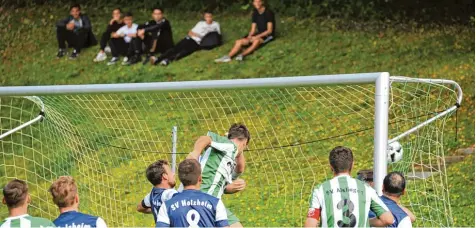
<point x="64" y="190"/>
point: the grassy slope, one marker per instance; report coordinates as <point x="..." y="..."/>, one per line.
<point x="306" y="47"/>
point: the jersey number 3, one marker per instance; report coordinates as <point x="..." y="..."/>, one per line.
<point x="348" y="219"/>
<point x="193" y="217"/>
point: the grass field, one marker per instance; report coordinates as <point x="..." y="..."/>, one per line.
<point x="304" y="47"/>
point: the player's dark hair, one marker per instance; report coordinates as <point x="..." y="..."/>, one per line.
<point x="155" y="171"/>
<point x="341" y="159"/>
<point x="15" y="193"/>
<point x="207" y="11"/>
<point x="128" y="14"/>
<point x="75" y="6"/>
<point x="158" y="8"/>
<point x="366" y="175"/>
<point x="394" y="184"/>
<point x="189" y="172"/>
<point x="239" y="131"/>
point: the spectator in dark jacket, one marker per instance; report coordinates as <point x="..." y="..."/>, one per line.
<point x="155" y="35"/>
<point x="76" y="30"/>
<point x="113" y="25"/>
<point x="191" y="42"/>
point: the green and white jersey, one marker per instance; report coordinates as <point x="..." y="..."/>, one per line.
<point x="345" y="202"/>
<point x="218" y="163"/>
<point x="26" y="221"/>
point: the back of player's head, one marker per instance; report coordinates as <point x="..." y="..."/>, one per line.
<point x="15" y="193"/>
<point x="189" y="172"/>
<point x="341" y="159"/>
<point x="155" y="171"/>
<point x="64" y="191"/>
<point x="394" y="184"/>
<point x="239" y="131"/>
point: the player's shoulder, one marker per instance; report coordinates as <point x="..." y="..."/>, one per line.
<point x="38" y="221"/>
<point x="218" y="138"/>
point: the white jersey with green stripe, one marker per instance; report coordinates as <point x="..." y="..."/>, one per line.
<point x="26" y="221"/>
<point x="218" y="163"/>
<point x="345" y="202"/>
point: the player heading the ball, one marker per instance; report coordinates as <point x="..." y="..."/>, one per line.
<point x="222" y="161"/>
<point x="344" y="201"/>
<point x="192" y="207"/>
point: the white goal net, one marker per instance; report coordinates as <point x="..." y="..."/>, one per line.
<point x="107" y="140"/>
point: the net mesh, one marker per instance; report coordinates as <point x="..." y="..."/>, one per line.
<point x="107" y="140"/>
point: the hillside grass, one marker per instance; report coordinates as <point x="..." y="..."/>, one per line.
<point x="304" y="47"/>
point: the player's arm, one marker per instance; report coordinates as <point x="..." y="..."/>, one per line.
<point x="252" y="30"/>
<point x="314" y="212"/>
<point x="200" y="145"/>
<point x="409" y="213"/>
<point x="236" y="186"/>
<point x="163" y="217"/>
<point x="144" y="205"/>
<point x="384" y="216"/>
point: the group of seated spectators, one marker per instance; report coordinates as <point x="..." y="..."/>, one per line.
<point x="153" y="40"/>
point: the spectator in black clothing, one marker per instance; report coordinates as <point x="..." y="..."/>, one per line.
<point x="262" y="31"/>
<point x="155" y="35"/>
<point x="113" y="25"/>
<point x="191" y="42"/>
<point x="76" y="30"/>
<point x="122" y="45"/>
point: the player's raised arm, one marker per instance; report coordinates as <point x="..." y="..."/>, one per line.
<point x="200" y="145"/>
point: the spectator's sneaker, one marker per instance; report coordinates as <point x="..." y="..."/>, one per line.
<point x="223" y="59"/>
<point x="101" y="56"/>
<point x="239" y="58"/>
<point x="107" y="49"/>
<point x="113" y="61"/>
<point x="61" y="53"/>
<point x="74" y="55"/>
<point x="134" y="60"/>
<point x="125" y="59"/>
<point x="164" y="62"/>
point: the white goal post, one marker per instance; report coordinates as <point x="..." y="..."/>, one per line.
<point x="382" y="101"/>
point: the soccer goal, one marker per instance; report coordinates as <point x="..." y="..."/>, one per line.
<point x="106" y="135"/>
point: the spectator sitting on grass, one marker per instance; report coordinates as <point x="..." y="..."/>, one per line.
<point x="192" y="41"/>
<point x="262" y="31"/>
<point x="122" y="45"/>
<point x="155" y="35"/>
<point x="115" y="24"/>
<point x="76" y="30"/>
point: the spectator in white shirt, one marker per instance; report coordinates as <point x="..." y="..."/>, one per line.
<point x="122" y="46"/>
<point x="191" y="42"/>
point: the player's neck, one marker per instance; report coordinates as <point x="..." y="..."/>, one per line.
<point x="163" y="185"/>
<point x="14" y="212"/>
<point x="394" y="198"/>
<point x="68" y="209"/>
<point x="342" y="174"/>
<point x="192" y="187"/>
